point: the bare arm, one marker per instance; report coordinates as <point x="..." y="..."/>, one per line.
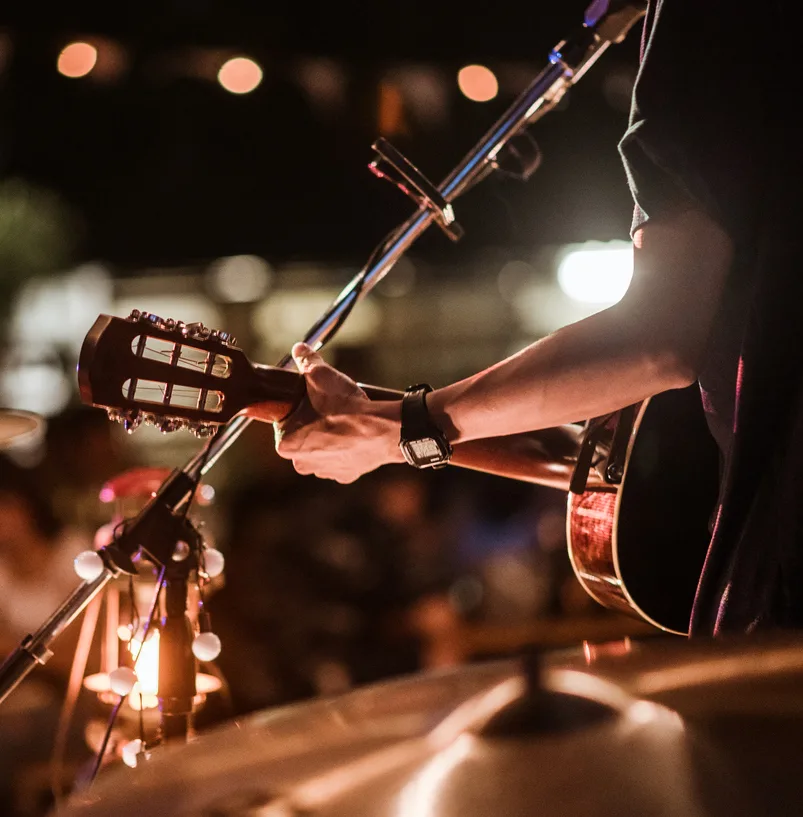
<point x="654" y="339"/>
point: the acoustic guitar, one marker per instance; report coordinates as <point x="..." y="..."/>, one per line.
<point x="642" y="483"/>
<point x="637" y="544"/>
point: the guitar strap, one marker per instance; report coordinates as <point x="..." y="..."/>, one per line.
<point x="585" y="457"/>
<point x="615" y="462"/>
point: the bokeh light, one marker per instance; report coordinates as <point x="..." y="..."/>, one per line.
<point x="598" y="273"/>
<point x="77" y="59"/>
<point x="239" y="75"/>
<point x="478" y="83"/>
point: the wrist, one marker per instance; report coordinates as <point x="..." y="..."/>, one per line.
<point x="422" y="441"/>
<point x="436" y="408"/>
<point x="387" y="414"/>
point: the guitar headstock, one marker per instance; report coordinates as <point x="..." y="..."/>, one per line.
<point x="163" y="372"/>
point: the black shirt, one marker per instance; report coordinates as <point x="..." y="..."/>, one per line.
<point x="713" y="126"/>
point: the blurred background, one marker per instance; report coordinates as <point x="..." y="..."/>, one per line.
<point x="207" y="161"/>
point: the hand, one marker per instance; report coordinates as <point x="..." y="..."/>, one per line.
<point x="337" y="432"/>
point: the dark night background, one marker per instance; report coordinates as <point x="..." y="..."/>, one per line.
<point x="161" y="168"/>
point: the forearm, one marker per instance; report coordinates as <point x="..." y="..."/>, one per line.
<point x="651" y="341"/>
<point x="584" y="370"/>
<point x="654" y="339"/>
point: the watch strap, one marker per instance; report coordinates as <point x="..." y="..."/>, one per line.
<point x="416" y="424"/>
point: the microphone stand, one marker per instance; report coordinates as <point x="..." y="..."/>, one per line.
<point x="161" y="525"/>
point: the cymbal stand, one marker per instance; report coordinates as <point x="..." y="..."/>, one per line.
<point x="508" y="147"/>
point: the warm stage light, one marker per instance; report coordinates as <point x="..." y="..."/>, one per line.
<point x="478" y="83"/>
<point x="77" y="59"/>
<point x="239" y="75"/>
<point x="597" y="273"/>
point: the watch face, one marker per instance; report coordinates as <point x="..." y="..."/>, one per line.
<point x="425" y="452"/>
<point x="426" y="449"/>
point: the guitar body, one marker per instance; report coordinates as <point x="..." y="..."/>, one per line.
<point x="639" y="547"/>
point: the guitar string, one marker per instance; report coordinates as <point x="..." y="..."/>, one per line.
<point x="188" y="393"/>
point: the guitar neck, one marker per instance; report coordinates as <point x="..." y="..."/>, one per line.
<point x="279" y="392"/>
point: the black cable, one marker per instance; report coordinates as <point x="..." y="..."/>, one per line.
<point x="105" y="741"/>
<point x="133" y="612"/>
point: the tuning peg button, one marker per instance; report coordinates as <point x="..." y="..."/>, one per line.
<point x="197" y="331"/>
<point x="225" y="337"/>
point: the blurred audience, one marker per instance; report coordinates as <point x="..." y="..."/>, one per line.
<point x="36" y="557"/>
<point x="81" y="453"/>
<point x="36" y="576"/>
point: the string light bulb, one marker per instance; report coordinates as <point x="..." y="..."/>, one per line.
<point x="88" y="565"/>
<point x="213" y="562"/>
<point x="206" y="646"/>
<point x="122" y="680"/>
<point x="133" y="751"/>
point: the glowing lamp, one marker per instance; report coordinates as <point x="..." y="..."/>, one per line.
<point x="477" y="83"/>
<point x="77" y="60"/>
<point x="130" y="650"/>
<point x="239" y="75"/>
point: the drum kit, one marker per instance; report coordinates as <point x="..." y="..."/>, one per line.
<point x="626" y="729"/>
<point x="19" y="428"/>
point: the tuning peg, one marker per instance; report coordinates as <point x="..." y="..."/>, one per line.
<point x="224" y="337"/>
<point x="132" y="422"/>
<point x="167" y="426"/>
<point x="197" y="331"/>
<point x="114" y="415"/>
<point x="155" y="320"/>
<point x="201" y="430"/>
<point x="135" y="315"/>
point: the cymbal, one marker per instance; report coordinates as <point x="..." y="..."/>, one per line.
<point x="673" y="729"/>
<point x="18" y="426"/>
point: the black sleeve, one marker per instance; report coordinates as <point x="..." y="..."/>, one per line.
<point x="695" y="125"/>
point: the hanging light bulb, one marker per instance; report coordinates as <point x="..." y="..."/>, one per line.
<point x="133" y="752"/>
<point x="206" y="647"/>
<point x="88" y="565"/>
<point x="122" y="680"/>
<point x="213" y="562"/>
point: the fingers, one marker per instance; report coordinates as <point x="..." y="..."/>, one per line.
<point x="305" y="357"/>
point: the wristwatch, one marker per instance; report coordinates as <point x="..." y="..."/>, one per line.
<point x="423" y="444"/>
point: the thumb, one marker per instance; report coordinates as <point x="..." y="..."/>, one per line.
<point x="327" y="387"/>
<point x="322" y="380"/>
<point x="305" y="357"/>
